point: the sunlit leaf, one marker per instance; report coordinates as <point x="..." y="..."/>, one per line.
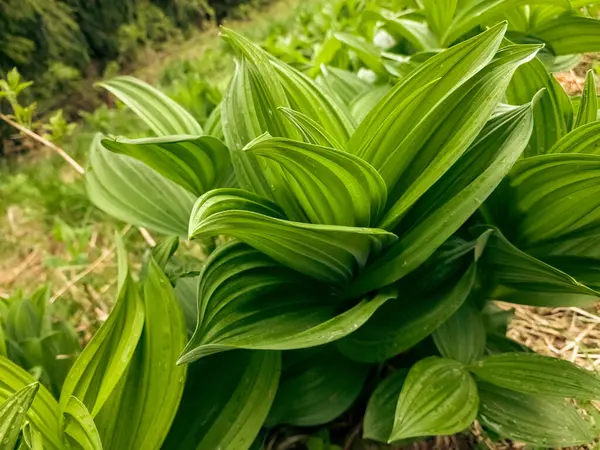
<point x="131" y="191"/>
<point x="197" y="164"/>
<point x="159" y="112"/>
<point x="588" y="108"/>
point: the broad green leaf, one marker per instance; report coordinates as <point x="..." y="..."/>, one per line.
<point x="379" y="138"/>
<point x="159" y="112"/>
<point x="13" y="413"/>
<point x="463" y="115"/>
<point x="3" y="348"/>
<point x="164" y="250"/>
<point x="534" y="374"/>
<point x="402" y="323"/>
<point x="439" y="397"/>
<point x="585" y="139"/>
<point x="197" y="164"/>
<point x="518" y="277"/>
<point x="316" y="387"/>
<point x="379" y="416"/>
<point x="311" y="131"/>
<point x="105" y="359"/>
<point x="79" y="427"/>
<point x="532" y="419"/>
<point x="462" y="337"/>
<point x="143" y="406"/>
<point x="249" y="301"/>
<point x="135" y="193"/>
<point x="474" y="13"/>
<point x="570" y="34"/>
<point x="326" y="252"/>
<point x="226" y="401"/>
<point x="367" y="52"/>
<point x="454" y="198"/>
<point x="553" y="114"/>
<point x="186" y="291"/>
<point x="549" y="198"/>
<point x="44" y="411"/>
<point x="588" y="108"/>
<point x="332" y="187"/>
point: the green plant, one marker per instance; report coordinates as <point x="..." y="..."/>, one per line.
<point x="10" y="89"/>
<point x="349" y="246"/>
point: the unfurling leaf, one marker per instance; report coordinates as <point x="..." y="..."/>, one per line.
<point x="439" y="397"/>
<point x="588" y="108"/>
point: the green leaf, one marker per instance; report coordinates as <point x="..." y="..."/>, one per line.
<point x="32" y="439"/>
<point x="3" y="348"/>
<point x="367" y="52"/>
<point x="535" y="420"/>
<point x="406" y="321"/>
<point x="140" y="412"/>
<point x="325" y="252"/>
<point x="197" y="164"/>
<point x="159" y="112"/>
<point x="570" y="34"/>
<point x="316" y="387"/>
<point x="344" y="84"/>
<point x="549" y="198"/>
<point x="520" y="278"/>
<point x="43" y="413"/>
<point x="453" y="199"/>
<point x="332" y="187"/>
<point x="439" y="397"/>
<point x="588" y="108"/>
<point x="79" y="427"/>
<point x="584" y="139"/>
<point x="105" y="359"/>
<point x="13" y="413"/>
<point x="363" y="104"/>
<point x="307" y="97"/>
<point x="379" y="416"/>
<point x="379" y="138"/>
<point x="439" y="14"/>
<point x="473" y="14"/>
<point x="133" y="192"/>
<point x="463" y="115"/>
<point x="164" y="250"/>
<point x="462" y="337"/>
<point x="249" y="301"/>
<point x="408" y="26"/>
<point x="226" y="401"/>
<point x="553" y="114"/>
<point x="213" y="126"/>
<point x="534" y="374"/>
<point x="311" y="131"/>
